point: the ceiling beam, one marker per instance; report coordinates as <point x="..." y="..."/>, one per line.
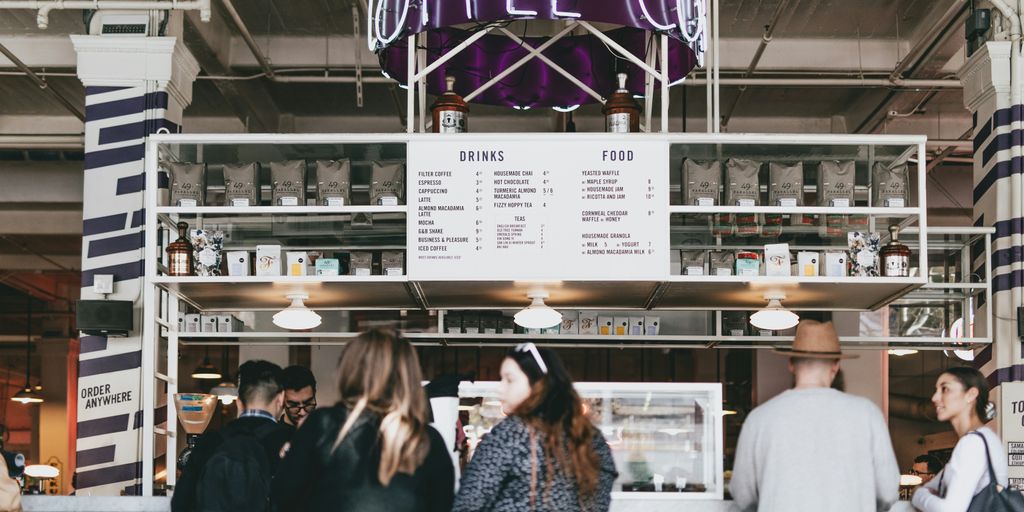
<point x="210" y="44"/>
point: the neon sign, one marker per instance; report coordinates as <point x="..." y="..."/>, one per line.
<point x="390" y="19"/>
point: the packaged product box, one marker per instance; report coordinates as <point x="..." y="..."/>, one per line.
<point x="652" y="325"/>
<point x="228" y="323"/>
<point x="268" y="260"/>
<point x="193" y="322"/>
<point x="555" y="329"/>
<point x="508" y="325"/>
<point x="471" y="322"/>
<point x="694" y="263"/>
<point x="344" y="263"/>
<point x="700" y="182"/>
<point x="836" y="183"/>
<point x="238" y="263"/>
<point x="298" y="262"/>
<point x="489" y="322"/>
<point x="570" y="323"/>
<point x="388" y="185"/>
<point x="207" y="251"/>
<point x="327" y="267"/>
<point x="361" y="263"/>
<point x="208" y="323"/>
<point x="588" y="322"/>
<point x="722" y="263"/>
<point x="605" y="325"/>
<point x="675" y="264"/>
<point x="864" y="249"/>
<point x="181" y="323"/>
<point x="453" y="322"/>
<point x="807" y="263"/>
<point x="890" y="185"/>
<point x="288" y="183"/>
<point x="734" y="323"/>
<point x="334" y="182"/>
<point x="188" y="184"/>
<point x="242" y="184"/>
<point x="621" y="325"/>
<point x="636" y="326"/>
<point x="835" y="263"/>
<point x="748" y="263"/>
<point x="392" y="263"/>
<point x="786" y="187"/>
<point x="776" y="260"/>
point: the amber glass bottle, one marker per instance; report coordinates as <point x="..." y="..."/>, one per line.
<point x="179" y="253"/>
<point x="895" y="256"/>
<point x="450" y="111"/>
<point x="621" y="111"/>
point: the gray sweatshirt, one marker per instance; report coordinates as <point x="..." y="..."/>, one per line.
<point x="812" y="450"/>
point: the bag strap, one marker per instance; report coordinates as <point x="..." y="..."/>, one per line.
<point x="988" y="458"/>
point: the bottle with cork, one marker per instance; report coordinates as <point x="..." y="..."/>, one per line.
<point x="621" y="111"/>
<point x="895" y="256"/>
<point x="450" y="111"/>
<point x="179" y="254"/>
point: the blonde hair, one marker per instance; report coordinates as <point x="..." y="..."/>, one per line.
<point x="379" y="374"/>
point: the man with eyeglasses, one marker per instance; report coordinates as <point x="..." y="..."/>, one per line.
<point x="299" y="394"/>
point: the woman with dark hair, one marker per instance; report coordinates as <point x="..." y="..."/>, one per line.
<point x="546" y="456"/>
<point x="374" y="451"/>
<point x="961" y="398"/>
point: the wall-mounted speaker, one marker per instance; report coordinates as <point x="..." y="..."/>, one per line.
<point x="105" y="317"/>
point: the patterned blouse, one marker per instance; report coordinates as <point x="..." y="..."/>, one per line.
<point x="498" y="478"/>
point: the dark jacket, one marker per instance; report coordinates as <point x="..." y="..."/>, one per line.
<point x="313" y="477"/>
<point x="498" y="478"/>
<point x="184" y="499"/>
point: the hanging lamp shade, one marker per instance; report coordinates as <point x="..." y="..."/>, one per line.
<point x="206" y="371"/>
<point x="27" y="396"/>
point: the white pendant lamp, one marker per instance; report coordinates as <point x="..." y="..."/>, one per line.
<point x="226" y="392"/>
<point x="297" y="317"/>
<point x="899" y="352"/>
<point x="537" y="315"/>
<point x="774" y="317"/>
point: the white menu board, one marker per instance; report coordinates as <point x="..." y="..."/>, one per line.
<point x="522" y="210"/>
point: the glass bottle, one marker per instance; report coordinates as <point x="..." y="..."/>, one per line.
<point x="621" y="111"/>
<point x="895" y="256"/>
<point x="179" y="253"/>
<point x="450" y="111"/>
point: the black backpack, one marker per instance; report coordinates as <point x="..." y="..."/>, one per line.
<point x="237" y="476"/>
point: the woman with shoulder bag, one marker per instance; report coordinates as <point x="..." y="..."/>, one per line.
<point x="374" y="451"/>
<point x="976" y="474"/>
<point x="546" y="455"/>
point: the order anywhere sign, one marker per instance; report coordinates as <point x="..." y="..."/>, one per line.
<point x="1012" y="429"/>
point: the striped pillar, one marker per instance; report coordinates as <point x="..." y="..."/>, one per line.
<point x="998" y="202"/>
<point x="134" y="87"/>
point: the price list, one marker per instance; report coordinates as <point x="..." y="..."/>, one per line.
<point x="537" y="210"/>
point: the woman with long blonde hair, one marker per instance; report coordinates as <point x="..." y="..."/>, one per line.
<point x="374" y="450"/>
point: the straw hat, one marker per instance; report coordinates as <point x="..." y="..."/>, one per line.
<point x="815" y="340"/>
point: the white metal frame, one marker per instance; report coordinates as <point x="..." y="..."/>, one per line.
<point x="607" y="390"/>
<point x="157" y="298"/>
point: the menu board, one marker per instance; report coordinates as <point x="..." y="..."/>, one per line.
<point x="518" y="210"/>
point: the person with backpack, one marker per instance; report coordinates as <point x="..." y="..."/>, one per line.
<point x="973" y="479"/>
<point x="546" y="456"/>
<point x="231" y="469"/>
<point x="374" y="451"/>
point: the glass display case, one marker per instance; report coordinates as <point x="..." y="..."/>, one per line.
<point x="666" y="438"/>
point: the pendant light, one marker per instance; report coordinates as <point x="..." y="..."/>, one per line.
<point x="297" y="317"/>
<point x="206" y="370"/>
<point x="537" y="315"/>
<point x="774" y="317"/>
<point x="28" y="395"/>
<point x="226" y="391"/>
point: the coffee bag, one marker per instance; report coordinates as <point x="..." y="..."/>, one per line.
<point x="188" y="183"/>
<point x="890" y="184"/>
<point x="288" y="183"/>
<point x="836" y="183"/>
<point x="334" y="182"/>
<point x="242" y="184"/>
<point x="742" y="187"/>
<point x="700" y="182"/>
<point x="786" y="184"/>
<point x="388" y="185"/>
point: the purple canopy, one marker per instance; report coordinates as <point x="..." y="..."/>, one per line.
<point x="536" y="84"/>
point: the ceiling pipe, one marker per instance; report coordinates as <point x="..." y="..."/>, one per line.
<point x="832" y="82"/>
<point x="55" y="141"/>
<point x="43" y="7"/>
<point x="42" y="83"/>
<point x="766" y="38"/>
<point x="249" y="41"/>
<point x="912" y="408"/>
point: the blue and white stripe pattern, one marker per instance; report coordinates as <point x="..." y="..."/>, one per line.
<point x="118" y="119"/>
<point x="998" y="203"/>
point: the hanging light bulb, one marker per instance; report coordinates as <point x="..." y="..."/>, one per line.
<point x="226" y="392"/>
<point x="206" y="371"/>
<point x="28" y="395"/>
<point x="537" y="315"/>
<point x="297" y="317"/>
<point x="774" y="317"/>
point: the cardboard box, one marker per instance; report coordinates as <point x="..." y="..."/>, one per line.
<point x="621" y="325"/>
<point x="636" y="326"/>
<point x="605" y="326"/>
<point x="489" y="323"/>
<point x="776" y="260"/>
<point x="268" y="260"/>
<point x="181" y="323"/>
<point x="327" y="267"/>
<point x="471" y="323"/>
<point x="747" y="266"/>
<point x="835" y="263"/>
<point x="807" y="263"/>
<point x="193" y="323"/>
<point x="209" y="323"/>
<point x="228" y="323"/>
<point x="570" y="323"/>
<point x="652" y="325"/>
<point x="587" y="322"/>
<point x="238" y="263"/>
<point x="453" y="323"/>
<point x="298" y="261"/>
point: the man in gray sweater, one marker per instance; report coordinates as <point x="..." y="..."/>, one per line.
<point x="814" y="448"/>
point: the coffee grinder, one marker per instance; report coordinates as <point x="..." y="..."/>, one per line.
<point x="195" y="410"/>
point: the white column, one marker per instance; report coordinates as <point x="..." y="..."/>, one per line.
<point x="133" y="87"/>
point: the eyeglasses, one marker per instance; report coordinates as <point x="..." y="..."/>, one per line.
<point x="532" y="349"/>
<point x="308" y="406"/>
